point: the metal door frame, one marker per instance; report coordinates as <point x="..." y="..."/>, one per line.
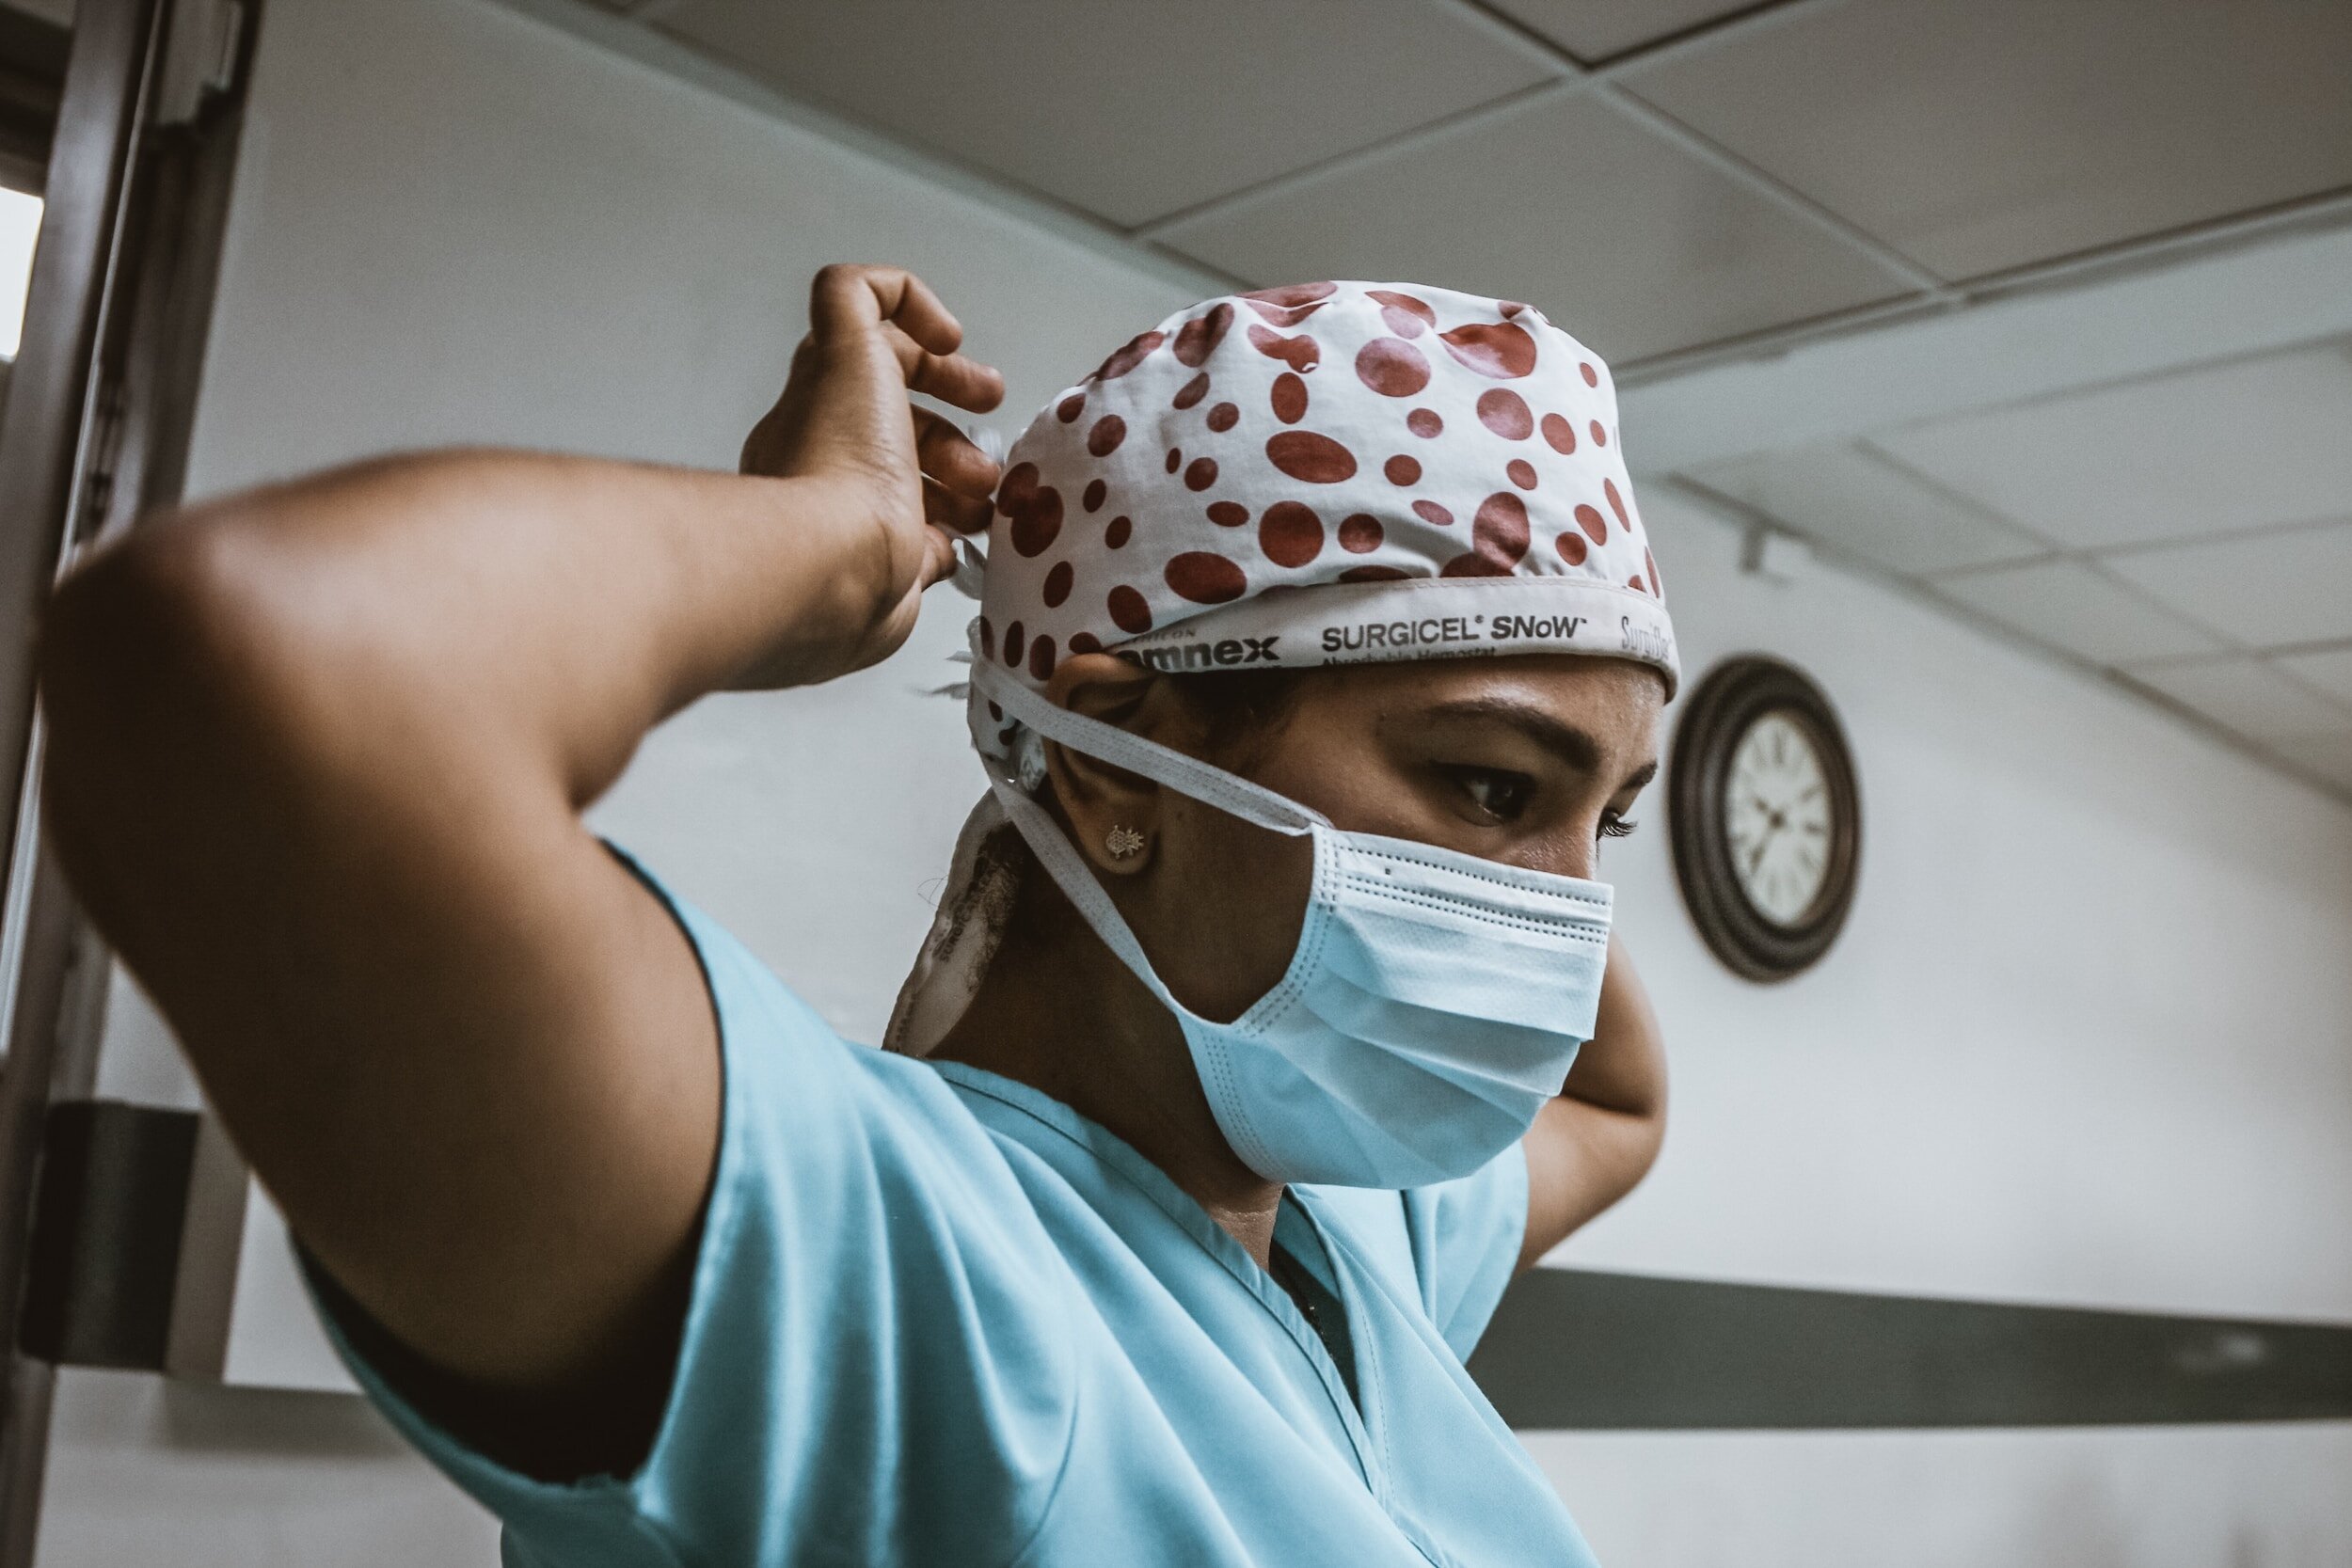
<point x="94" y="435"/>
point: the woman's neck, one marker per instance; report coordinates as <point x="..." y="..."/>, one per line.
<point x="1060" y="1013"/>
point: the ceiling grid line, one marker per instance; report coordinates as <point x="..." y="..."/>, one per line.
<point x="1572" y="78"/>
<point x="1477" y="117"/>
<point x="1930" y="290"/>
<point x="1876" y="453"/>
<point x="2317" y="214"/>
<point x="1738" y="514"/>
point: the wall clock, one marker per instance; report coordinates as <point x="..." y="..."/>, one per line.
<point x="1765" y="818"/>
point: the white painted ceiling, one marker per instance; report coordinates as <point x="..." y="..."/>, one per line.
<point x="2186" y="532"/>
<point x="1662" y="176"/>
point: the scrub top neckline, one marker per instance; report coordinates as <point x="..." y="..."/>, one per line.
<point x="1121" y="1157"/>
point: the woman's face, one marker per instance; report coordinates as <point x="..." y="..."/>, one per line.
<point x="1531" y="761"/>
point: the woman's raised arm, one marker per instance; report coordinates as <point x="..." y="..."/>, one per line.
<point x="316" y="759"/>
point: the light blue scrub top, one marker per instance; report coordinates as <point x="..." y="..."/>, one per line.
<point x="940" y="1320"/>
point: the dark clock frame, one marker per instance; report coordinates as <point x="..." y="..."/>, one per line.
<point x="1735" y="694"/>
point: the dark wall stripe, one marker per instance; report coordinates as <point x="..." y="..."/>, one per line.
<point x="1574" y="1349"/>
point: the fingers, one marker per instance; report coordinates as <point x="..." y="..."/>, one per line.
<point x="848" y="297"/>
<point x="948" y="454"/>
<point x="846" y="300"/>
<point x="943" y="508"/>
<point x="951" y="378"/>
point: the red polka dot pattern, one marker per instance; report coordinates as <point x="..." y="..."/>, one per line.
<point x="1289" y="533"/>
<point x="1392" y="367"/>
<point x="1289" y="398"/>
<point x="1504" y="412"/>
<point x="1305" y="454"/>
<point x="1290" y="302"/>
<point x="1403" y="315"/>
<point x="1034" y="508"/>
<point x="1130" y="612"/>
<point x="1500" y="349"/>
<point x="1300" y="354"/>
<point x="1198" y="338"/>
<point x="1498" y="534"/>
<point x="1206" y="578"/>
<point x="1453" y="444"/>
<point x="1134" y="353"/>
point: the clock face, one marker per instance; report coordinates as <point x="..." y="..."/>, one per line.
<point x="1776" y="816"/>
<point x="1765" y="816"/>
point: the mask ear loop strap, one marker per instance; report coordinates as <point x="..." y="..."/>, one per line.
<point x="1078" y="884"/>
<point x="1187" y="775"/>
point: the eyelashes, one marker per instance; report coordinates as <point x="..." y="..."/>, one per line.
<point x="1614" y="826"/>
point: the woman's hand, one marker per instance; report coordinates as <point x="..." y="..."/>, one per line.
<point x="903" y="486"/>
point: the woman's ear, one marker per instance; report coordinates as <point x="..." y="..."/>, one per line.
<point x="1114" y="816"/>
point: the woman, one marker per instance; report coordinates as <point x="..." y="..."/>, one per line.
<point x="1232" y="1084"/>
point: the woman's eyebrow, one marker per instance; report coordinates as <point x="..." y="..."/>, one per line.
<point x="1573" y="746"/>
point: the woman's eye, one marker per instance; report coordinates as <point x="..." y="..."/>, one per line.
<point x="1614" y="826"/>
<point x="1499" y="795"/>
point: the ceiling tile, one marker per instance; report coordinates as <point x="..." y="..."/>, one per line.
<point x="1982" y="134"/>
<point x="1130" y="111"/>
<point x="2329" y="672"/>
<point x="2231" y="446"/>
<point x="2330" y="758"/>
<point x="1850" y="496"/>
<point x="1568" y="204"/>
<point x="1597" y="29"/>
<point x="2248" y="696"/>
<point x="2268" y="591"/>
<point x="2070" y="605"/>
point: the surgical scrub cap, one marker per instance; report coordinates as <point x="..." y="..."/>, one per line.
<point x="1324" y="473"/>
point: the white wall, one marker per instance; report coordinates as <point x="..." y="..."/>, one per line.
<point x="454" y="224"/>
<point x="2088" y="1038"/>
<point x="2087" y="1035"/>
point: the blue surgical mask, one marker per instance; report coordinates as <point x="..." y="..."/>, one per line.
<point x="1434" y="1003"/>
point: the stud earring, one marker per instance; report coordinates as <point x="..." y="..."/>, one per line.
<point x="1123" y="842"/>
